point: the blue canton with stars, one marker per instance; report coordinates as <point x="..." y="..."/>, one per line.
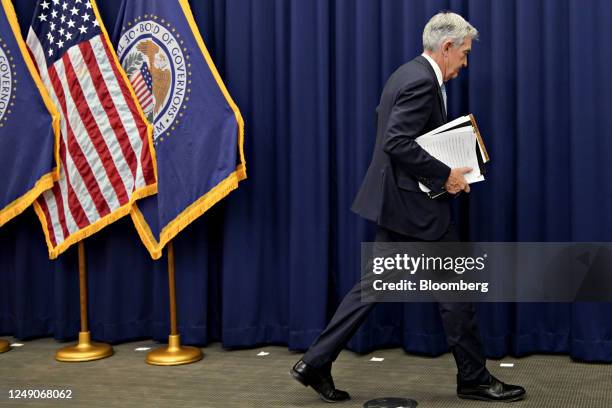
<point x="61" y="24"/>
<point x="146" y="75"/>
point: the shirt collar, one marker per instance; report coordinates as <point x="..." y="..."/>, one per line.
<point x="435" y="67"/>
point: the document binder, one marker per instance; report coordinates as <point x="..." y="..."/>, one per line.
<point x="451" y="144"/>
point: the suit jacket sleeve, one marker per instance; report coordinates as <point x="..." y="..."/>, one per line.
<point x="406" y="122"/>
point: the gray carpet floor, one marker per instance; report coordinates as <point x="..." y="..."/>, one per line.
<point x="243" y="378"/>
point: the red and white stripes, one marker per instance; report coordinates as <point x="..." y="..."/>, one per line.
<point x="143" y="93"/>
<point x="104" y="147"/>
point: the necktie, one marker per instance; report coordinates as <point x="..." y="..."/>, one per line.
<point x="443" y="89"/>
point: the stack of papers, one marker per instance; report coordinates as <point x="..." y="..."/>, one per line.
<point x="457" y="144"/>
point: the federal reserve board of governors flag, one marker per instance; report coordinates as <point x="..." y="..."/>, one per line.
<point x="105" y="148"/>
<point x="29" y="124"/>
<point x="198" y="130"/>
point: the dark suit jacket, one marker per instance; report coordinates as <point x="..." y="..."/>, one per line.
<point x="411" y="104"/>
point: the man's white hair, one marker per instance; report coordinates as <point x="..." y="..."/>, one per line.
<point x="446" y="26"/>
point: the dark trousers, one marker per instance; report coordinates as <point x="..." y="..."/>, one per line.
<point x="458" y="319"/>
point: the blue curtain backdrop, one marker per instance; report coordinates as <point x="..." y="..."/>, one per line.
<point x="269" y="265"/>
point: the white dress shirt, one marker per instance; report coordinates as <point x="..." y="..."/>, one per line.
<point x="436" y="68"/>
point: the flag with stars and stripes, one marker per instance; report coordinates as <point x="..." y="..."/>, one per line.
<point x="143" y="86"/>
<point x="105" y="148"/>
<point x="29" y="124"/>
<point x="198" y="129"/>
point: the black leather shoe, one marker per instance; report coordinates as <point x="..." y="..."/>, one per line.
<point x="320" y="381"/>
<point x="495" y="390"/>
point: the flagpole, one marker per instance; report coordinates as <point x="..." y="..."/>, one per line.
<point x="85" y="349"/>
<point x="4" y="346"/>
<point x="174" y="353"/>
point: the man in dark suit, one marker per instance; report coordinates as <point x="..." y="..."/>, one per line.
<point x="412" y="103"/>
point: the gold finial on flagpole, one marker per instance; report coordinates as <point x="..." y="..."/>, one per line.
<point x="85" y="349"/>
<point x="4" y="346"/>
<point x="174" y="353"/>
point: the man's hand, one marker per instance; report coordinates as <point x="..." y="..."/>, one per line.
<point x="456" y="180"/>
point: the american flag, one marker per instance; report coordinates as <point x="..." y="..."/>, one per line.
<point x="143" y="86"/>
<point x="105" y="153"/>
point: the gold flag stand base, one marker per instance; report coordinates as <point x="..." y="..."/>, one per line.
<point x="85" y="350"/>
<point x="174" y="353"/>
<point x="4" y="346"/>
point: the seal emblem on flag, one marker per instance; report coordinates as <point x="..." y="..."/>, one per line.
<point x="6" y="84"/>
<point x="155" y="63"/>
